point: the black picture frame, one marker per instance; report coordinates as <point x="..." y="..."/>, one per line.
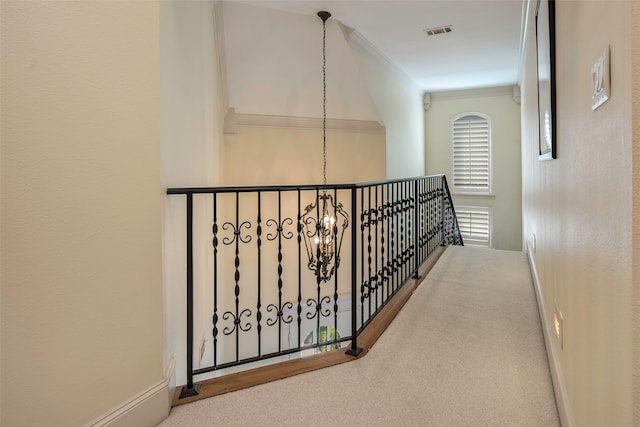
<point x="546" y="52"/>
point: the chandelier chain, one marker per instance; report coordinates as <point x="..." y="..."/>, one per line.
<point x="324" y="102"/>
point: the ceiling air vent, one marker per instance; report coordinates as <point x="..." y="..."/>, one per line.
<point x="438" y="30"/>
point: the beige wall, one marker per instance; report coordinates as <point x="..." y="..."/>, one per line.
<point x="268" y="155"/>
<point x="280" y="72"/>
<point x="81" y="208"/>
<point x="635" y="118"/>
<point x="504" y="112"/>
<point x="399" y="102"/>
<point x="277" y="79"/>
<point x="579" y="208"/>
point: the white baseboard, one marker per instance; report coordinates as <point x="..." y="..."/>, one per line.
<point x="557" y="376"/>
<point x="170" y="379"/>
<point x="148" y="408"/>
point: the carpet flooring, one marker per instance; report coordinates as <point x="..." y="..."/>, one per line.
<point x="466" y="350"/>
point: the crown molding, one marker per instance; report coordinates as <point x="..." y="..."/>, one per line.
<point x="358" y="40"/>
<point x="261" y="120"/>
<point x="473" y="93"/>
<point x="528" y="10"/>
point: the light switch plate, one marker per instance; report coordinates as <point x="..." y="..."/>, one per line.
<point x="600" y="73"/>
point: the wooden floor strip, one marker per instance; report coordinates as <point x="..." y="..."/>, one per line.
<point x="366" y="340"/>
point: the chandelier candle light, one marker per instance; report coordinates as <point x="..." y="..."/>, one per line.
<point x="324" y="220"/>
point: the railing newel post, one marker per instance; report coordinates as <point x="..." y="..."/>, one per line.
<point x="354" y="350"/>
<point x="190" y="389"/>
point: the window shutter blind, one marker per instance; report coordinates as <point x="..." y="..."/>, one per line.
<point x="475" y="225"/>
<point x="471" y="156"/>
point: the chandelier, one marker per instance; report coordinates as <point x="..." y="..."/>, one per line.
<point x="324" y="220"/>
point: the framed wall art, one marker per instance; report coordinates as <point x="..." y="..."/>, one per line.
<point x="545" y="48"/>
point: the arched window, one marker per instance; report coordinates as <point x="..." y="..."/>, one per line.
<point x="471" y="153"/>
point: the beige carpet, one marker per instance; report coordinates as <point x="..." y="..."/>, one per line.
<point x="466" y="350"/>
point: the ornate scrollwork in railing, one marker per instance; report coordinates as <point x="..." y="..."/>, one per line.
<point x="278" y="287"/>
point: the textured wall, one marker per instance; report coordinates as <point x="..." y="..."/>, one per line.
<point x="399" y="102"/>
<point x="295" y="156"/>
<point x="506" y="201"/>
<point x="280" y="73"/>
<point x="81" y="265"/>
<point x="635" y="96"/>
<point x="274" y="66"/>
<point x="579" y="208"/>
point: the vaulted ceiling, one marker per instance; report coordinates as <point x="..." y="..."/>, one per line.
<point x="482" y="48"/>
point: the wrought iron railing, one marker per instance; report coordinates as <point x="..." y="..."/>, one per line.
<point x="262" y="300"/>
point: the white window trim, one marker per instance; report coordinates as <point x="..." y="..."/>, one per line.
<point x="465" y="190"/>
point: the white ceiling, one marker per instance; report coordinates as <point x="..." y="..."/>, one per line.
<point x="483" y="50"/>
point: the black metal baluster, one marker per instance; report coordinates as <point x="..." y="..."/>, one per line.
<point x="400" y="230"/>
<point x="387" y="215"/>
<point x="379" y="296"/>
<point x="403" y="240"/>
<point x="427" y="218"/>
<point x="393" y="226"/>
<point x="335" y="289"/>
<point x="215" y="279"/>
<point x="417" y="221"/>
<point x="237" y="316"/>
<point x="416" y="224"/>
<point x="280" y="308"/>
<point x="428" y="222"/>
<point x="437" y="209"/>
<point x="237" y="276"/>
<point x="407" y="232"/>
<point x="299" y="310"/>
<point x="369" y="280"/>
<point x="318" y="278"/>
<point x="443" y="213"/>
<point x="279" y="231"/>
<point x="434" y="214"/>
<point x="362" y="277"/>
<point x="409" y="216"/>
<point x="410" y="242"/>
<point x="259" y="245"/>
<point x="383" y="218"/>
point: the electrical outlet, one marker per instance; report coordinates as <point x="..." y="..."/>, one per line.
<point x="558" y="327"/>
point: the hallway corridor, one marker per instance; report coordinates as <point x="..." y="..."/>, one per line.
<point x="467" y="349"/>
